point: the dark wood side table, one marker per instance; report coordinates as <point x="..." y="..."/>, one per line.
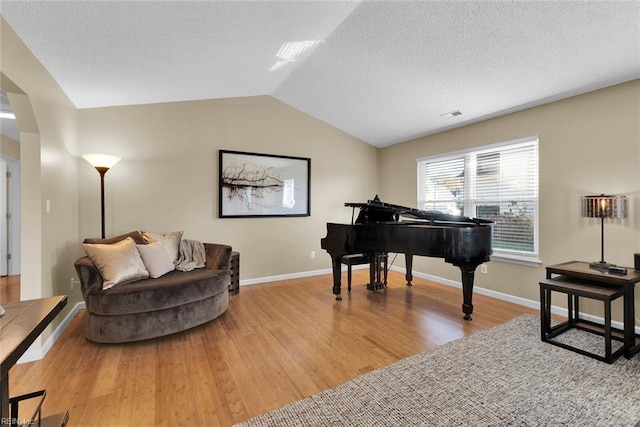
<point x="234" y="273"/>
<point x="580" y="271"/>
<point x="574" y="290"/>
<point x="22" y="323"/>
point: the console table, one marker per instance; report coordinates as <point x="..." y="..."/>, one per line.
<point x="579" y="271"/>
<point x="22" y="323"/>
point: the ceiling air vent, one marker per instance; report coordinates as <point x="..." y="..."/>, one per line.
<point x="450" y="114"/>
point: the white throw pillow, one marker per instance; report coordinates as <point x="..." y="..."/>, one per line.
<point x="170" y="241"/>
<point x="156" y="259"/>
<point x="118" y="262"/>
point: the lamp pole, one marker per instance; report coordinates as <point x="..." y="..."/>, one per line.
<point x="102" y="170"/>
<point x="602" y="239"/>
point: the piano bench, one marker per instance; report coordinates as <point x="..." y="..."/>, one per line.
<point x="360" y="259"/>
<point x="573" y="290"/>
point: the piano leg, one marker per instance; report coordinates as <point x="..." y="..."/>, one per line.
<point x="408" y="262"/>
<point x="337" y="274"/>
<point x="468" y="273"/>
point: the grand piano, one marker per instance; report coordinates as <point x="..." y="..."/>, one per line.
<point x="382" y="227"/>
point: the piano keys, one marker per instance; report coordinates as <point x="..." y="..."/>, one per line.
<point x="379" y="228"/>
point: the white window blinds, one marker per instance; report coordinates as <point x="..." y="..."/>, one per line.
<point x="497" y="182"/>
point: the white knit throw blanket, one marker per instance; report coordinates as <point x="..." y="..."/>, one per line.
<point x="191" y="256"/>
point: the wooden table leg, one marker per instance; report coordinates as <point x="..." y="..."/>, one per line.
<point x="4" y="399"/>
<point x="629" y="321"/>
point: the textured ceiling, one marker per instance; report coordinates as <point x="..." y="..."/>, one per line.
<point x="385" y="73"/>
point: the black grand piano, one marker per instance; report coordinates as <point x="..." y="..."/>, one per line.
<point x="379" y="228"/>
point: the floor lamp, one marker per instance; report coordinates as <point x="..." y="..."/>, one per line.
<point x="102" y="163"/>
<point x="602" y="207"/>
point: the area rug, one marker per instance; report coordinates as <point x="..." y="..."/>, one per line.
<point x="501" y="377"/>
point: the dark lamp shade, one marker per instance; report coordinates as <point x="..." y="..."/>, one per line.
<point x="604" y="206"/>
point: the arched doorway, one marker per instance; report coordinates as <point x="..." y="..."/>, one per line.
<point x="28" y="219"/>
<point x="9" y="190"/>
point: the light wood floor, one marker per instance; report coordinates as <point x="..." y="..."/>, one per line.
<point x="276" y="344"/>
<point x="9" y="288"/>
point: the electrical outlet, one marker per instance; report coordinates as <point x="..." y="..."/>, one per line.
<point x="313" y="254"/>
<point x="483" y="268"/>
<point x="73" y="283"/>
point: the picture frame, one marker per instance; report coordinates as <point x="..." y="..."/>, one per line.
<point x="263" y="185"/>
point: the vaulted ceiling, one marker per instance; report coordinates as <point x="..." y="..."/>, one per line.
<point x="382" y="71"/>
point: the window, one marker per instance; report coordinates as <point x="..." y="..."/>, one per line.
<point x="497" y="182"/>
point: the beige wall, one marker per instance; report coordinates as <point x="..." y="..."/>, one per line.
<point x="589" y="144"/>
<point x="48" y="167"/>
<point x="167" y="179"/>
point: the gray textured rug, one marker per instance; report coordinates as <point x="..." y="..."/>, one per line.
<point x="501" y="377"/>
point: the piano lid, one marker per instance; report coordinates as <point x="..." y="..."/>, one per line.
<point x="378" y="211"/>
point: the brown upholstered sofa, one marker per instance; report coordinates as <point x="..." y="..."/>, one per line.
<point x="154" y="307"/>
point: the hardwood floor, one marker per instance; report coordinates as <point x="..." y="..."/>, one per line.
<point x="9" y="288"/>
<point x="277" y="343"/>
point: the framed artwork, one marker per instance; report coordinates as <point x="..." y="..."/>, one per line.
<point x="263" y="185"/>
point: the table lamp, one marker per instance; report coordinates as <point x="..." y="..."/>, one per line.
<point x="602" y="207"/>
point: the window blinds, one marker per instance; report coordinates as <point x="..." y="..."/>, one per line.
<point x="497" y="182"/>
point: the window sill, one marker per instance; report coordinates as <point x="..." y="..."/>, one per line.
<point x="529" y="262"/>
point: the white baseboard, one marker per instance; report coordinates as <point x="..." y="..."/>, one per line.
<point x="268" y="279"/>
<point x="38" y="353"/>
<point x="34" y="354"/>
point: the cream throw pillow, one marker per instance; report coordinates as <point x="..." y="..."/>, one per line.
<point x="156" y="259"/>
<point x="170" y="241"/>
<point x="118" y="262"/>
